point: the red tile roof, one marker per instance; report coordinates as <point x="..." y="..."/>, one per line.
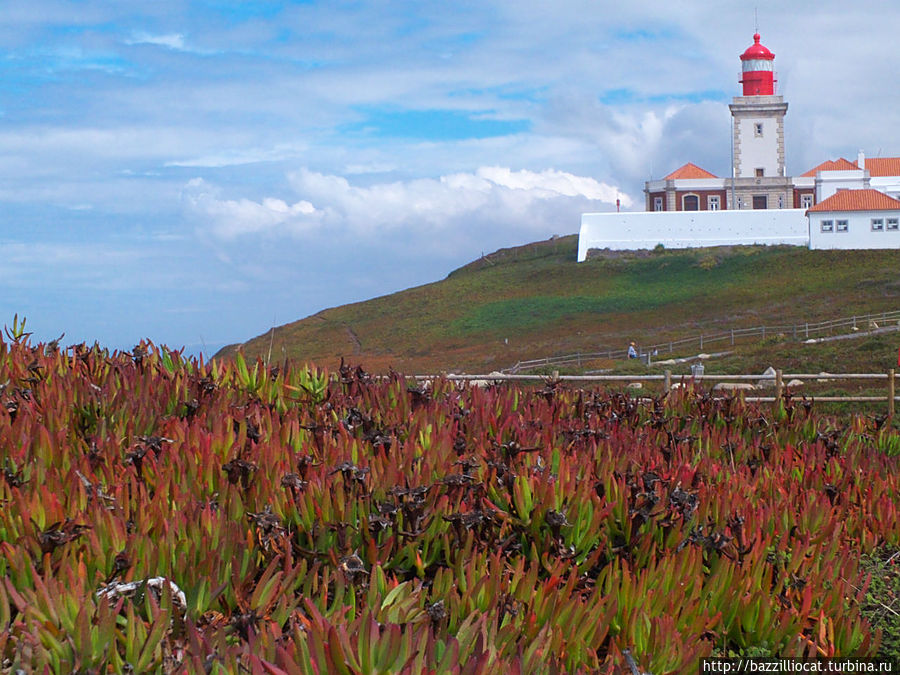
<point x="883" y="166"/>
<point x="857" y="200"/>
<point x="833" y="165"/>
<point x="690" y="170"/>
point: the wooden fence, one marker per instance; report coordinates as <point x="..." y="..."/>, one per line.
<point x="669" y="380"/>
<point x="800" y="331"/>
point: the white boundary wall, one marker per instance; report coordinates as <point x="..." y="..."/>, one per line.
<point x="691" y="229"/>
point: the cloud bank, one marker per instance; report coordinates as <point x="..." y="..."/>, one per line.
<point x="493" y="195"/>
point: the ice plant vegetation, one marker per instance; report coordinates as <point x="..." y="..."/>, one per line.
<point x="160" y="514"/>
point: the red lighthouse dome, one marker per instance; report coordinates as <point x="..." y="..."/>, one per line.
<point x="758" y="70"/>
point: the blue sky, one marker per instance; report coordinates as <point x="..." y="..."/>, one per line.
<point x="192" y="172"/>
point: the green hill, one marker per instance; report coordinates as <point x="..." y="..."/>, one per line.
<point x="535" y="300"/>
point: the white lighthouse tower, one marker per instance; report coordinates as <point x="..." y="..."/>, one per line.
<point x="758" y="118"/>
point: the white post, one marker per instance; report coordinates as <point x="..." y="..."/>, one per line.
<point x="891" y="387"/>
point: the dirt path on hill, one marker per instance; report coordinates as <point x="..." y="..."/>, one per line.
<point x="357" y="344"/>
<point x="850" y="336"/>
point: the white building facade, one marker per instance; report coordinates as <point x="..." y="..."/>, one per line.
<point x="855" y="219"/>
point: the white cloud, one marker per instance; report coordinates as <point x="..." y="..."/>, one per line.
<point x="70" y="255"/>
<point x="174" y="41"/>
<point x="170" y="40"/>
<point x="550" y="184"/>
<point x="229" y="218"/>
<point x="357" y="169"/>
<point x="277" y="153"/>
<point x="494" y="195"/>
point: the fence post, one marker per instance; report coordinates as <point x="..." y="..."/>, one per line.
<point x="779" y="386"/>
<point x="667" y="382"/>
<point x="763" y="332"/>
<point x="732" y="337"/>
<point x="670" y="348"/>
<point x="891" y="387"/>
<point x="701" y="342"/>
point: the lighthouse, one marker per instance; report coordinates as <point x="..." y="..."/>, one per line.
<point x="758" y="135"/>
<point x="758" y="177"/>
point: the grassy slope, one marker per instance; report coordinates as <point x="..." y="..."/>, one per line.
<point x="543" y="302"/>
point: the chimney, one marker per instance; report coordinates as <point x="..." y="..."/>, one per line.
<point x="861" y="160"/>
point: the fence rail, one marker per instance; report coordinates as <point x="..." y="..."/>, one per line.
<point x="667" y="379"/>
<point x="798" y="331"/>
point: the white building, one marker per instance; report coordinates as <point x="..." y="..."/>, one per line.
<point x="855" y="219"/>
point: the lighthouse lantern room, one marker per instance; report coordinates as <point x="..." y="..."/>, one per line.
<point x="758" y="70"/>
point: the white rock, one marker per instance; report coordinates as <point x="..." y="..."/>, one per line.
<point x="635" y="385"/>
<point x="769" y="378"/>
<point x="702" y="356"/>
<point x="734" y="386"/>
<point x="795" y="383"/>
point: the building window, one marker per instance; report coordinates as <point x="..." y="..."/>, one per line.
<point x="892" y="224"/>
<point x="760" y="173"/>
<point x="757" y="129"/>
<point x="760" y="202"/>
<point x="712" y="202"/>
<point x="806" y="201"/>
<point x="827" y="226"/>
<point x="657" y="204"/>
<point x="877" y="224"/>
<point x="690" y="203"/>
<point x="780" y="201"/>
<point x="841" y="226"/>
